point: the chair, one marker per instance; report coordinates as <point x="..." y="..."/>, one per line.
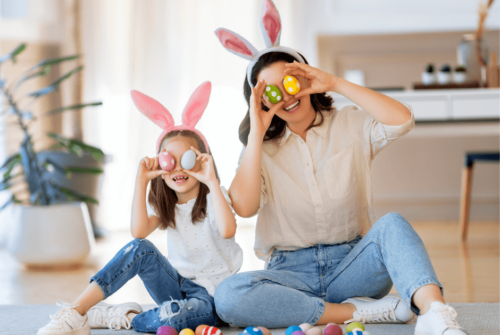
<point x="470" y="159"/>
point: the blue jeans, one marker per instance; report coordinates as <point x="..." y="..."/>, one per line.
<point x="182" y="303"/>
<point x="296" y="284"/>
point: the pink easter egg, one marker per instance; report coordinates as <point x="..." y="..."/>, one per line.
<point x="332" y="329"/>
<point x="166" y="330"/>
<point x="314" y="331"/>
<point x="264" y="331"/>
<point x="305" y="327"/>
<point x="166" y="161"/>
<point x="298" y="332"/>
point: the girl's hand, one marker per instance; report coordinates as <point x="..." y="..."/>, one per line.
<point x="148" y="169"/>
<point x="319" y="81"/>
<point x="206" y="174"/>
<point x="260" y="120"/>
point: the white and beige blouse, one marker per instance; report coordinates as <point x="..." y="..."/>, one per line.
<point x="319" y="191"/>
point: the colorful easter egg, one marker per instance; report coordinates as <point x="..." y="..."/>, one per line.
<point x="305" y="327"/>
<point x="273" y="93"/>
<point x="166" y="161"/>
<point x="353" y="325"/>
<point x="292" y="329"/>
<point x="291" y="84"/>
<point x="188" y="160"/>
<point x="314" y="331"/>
<point x="252" y="331"/>
<point x="355" y="332"/>
<point x="186" y="331"/>
<point x="211" y="331"/>
<point x="264" y="331"/>
<point x="332" y="329"/>
<point x="199" y="329"/>
<point x="298" y="332"/>
<point x="166" y="330"/>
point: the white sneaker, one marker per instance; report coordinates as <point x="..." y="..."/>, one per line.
<point x="439" y="320"/>
<point x="104" y="315"/>
<point x="66" y="321"/>
<point x="389" y="309"/>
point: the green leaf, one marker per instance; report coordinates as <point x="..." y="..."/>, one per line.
<point x="52" y="87"/>
<point x="74" y="169"/>
<point x="9" y="159"/>
<point x="12" y="55"/>
<point x="54" y="61"/>
<point x="78" y="147"/>
<point x="44" y="71"/>
<point x="67" y="75"/>
<point x="11" y="165"/>
<point x="79" y="106"/>
<point x="72" y="195"/>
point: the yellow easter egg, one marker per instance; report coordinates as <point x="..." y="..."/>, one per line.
<point x="186" y="331"/>
<point x="291" y="85"/>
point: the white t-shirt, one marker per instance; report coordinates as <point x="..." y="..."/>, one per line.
<point x="319" y="191"/>
<point x="197" y="251"/>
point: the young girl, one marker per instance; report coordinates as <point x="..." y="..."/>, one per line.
<point x="196" y="212"/>
<point x="305" y="169"/>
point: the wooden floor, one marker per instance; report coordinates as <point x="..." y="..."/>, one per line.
<point x="469" y="272"/>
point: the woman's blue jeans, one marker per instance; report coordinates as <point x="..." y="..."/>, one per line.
<point x="296" y="284"/>
<point x="182" y="303"/>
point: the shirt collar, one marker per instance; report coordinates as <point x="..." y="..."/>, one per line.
<point x="320" y="130"/>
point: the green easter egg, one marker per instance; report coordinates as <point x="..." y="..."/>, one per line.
<point x="353" y="325"/>
<point x="274" y="94"/>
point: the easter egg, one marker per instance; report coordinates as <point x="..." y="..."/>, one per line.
<point x="264" y="331"/>
<point x="354" y="325"/>
<point x="298" y="332"/>
<point x="166" y="161"/>
<point x="292" y="329"/>
<point x="355" y="332"/>
<point x="188" y="160"/>
<point x="314" y="331"/>
<point x="291" y="84"/>
<point x="211" y="331"/>
<point x="252" y="331"/>
<point x="274" y="95"/>
<point x="166" y="330"/>
<point x="186" y="331"/>
<point x="332" y="329"/>
<point x="305" y="327"/>
<point x="199" y="329"/>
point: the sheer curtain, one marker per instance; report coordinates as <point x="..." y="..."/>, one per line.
<point x="164" y="49"/>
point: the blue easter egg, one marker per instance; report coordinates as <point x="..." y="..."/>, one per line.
<point x="252" y="331"/>
<point x="188" y="160"/>
<point x="292" y="329"/>
<point x="355" y="332"/>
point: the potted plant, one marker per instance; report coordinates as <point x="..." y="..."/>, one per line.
<point x="51" y="223"/>
<point x="428" y="77"/>
<point x="444" y="74"/>
<point x="460" y="74"/>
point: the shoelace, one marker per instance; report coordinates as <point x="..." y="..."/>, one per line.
<point x="116" y="320"/>
<point x="385" y="315"/>
<point x="448" y="314"/>
<point x="63" y="313"/>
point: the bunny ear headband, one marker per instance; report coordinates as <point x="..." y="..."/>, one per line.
<point x="270" y="25"/>
<point x="161" y="116"/>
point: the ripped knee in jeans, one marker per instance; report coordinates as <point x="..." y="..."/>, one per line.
<point x="171" y="308"/>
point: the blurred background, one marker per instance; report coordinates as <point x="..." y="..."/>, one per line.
<point x="166" y="48"/>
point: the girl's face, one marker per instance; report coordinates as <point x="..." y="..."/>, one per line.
<point x="177" y="179"/>
<point x="291" y="112"/>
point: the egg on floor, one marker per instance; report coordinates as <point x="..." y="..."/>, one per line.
<point x="305" y="327"/>
<point x="314" y="331"/>
<point x="333" y="329"/>
<point x="252" y="331"/>
<point x="166" y="330"/>
<point x="264" y="331"/>
<point x="354" y="325"/>
<point x="186" y="331"/>
<point x="199" y="329"/>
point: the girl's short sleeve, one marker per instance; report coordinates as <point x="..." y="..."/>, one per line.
<point x="210" y="207"/>
<point x="150" y="209"/>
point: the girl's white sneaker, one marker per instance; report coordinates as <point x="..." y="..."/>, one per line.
<point x="104" y="315"/>
<point x="439" y="320"/>
<point x="389" y="309"/>
<point x="66" y="321"/>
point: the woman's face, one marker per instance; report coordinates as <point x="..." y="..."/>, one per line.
<point x="294" y="110"/>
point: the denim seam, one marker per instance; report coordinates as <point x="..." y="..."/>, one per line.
<point x="415" y="287"/>
<point x="102" y="285"/>
<point x="135" y="260"/>
<point x="319" y="313"/>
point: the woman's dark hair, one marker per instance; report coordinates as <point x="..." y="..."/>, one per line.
<point x="319" y="101"/>
<point x="163" y="199"/>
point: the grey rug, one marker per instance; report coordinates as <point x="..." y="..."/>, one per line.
<point x="480" y="319"/>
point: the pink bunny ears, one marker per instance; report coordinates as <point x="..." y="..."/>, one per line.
<point x="271" y="30"/>
<point x="161" y="116"/>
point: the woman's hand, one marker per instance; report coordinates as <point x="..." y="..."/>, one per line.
<point x="148" y="169"/>
<point x="206" y="174"/>
<point x="319" y="81"/>
<point x="260" y="120"/>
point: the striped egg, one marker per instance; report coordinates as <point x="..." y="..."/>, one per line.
<point x="211" y="331"/>
<point x="199" y="329"/>
<point x="291" y="84"/>
<point x="166" y="161"/>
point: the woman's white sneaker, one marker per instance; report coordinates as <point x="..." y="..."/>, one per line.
<point x="104" y="315"/>
<point x="66" y="321"/>
<point x="440" y="319"/>
<point x="389" y="309"/>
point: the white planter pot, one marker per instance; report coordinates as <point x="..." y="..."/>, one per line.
<point x="444" y="77"/>
<point x="428" y="78"/>
<point x="51" y="235"/>
<point x="459" y="77"/>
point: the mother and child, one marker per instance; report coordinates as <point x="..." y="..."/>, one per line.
<point x="305" y="170"/>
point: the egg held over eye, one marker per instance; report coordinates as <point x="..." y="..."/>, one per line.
<point x="166" y="161"/>
<point x="273" y="94"/>
<point x="188" y="160"/>
<point x="291" y="84"/>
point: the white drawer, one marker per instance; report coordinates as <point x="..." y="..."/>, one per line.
<point x="476" y="107"/>
<point x="432" y="108"/>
